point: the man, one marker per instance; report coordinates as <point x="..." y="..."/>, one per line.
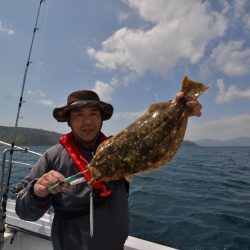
<point x="84" y="113"/>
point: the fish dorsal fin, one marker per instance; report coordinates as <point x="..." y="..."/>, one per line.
<point x="192" y="90"/>
<point x="158" y="106"/>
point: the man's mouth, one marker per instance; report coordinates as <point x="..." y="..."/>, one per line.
<point x="87" y="130"/>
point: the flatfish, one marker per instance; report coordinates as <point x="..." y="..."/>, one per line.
<point x="149" y="142"/>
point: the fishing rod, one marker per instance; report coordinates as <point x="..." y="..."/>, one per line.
<point x="25" y="74"/>
<point x="4" y="195"/>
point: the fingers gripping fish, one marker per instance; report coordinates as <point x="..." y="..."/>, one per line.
<point x="148" y="143"/>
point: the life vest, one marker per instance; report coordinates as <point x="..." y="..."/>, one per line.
<point x="78" y="158"/>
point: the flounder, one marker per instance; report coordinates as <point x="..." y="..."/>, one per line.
<point x="149" y="142"/>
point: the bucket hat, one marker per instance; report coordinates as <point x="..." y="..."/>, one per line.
<point x="79" y="99"/>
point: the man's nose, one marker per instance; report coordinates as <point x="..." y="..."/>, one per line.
<point x="86" y="120"/>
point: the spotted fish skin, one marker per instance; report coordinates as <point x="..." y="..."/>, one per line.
<point x="148" y="143"/>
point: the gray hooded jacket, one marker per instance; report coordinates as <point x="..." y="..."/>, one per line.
<point x="71" y="224"/>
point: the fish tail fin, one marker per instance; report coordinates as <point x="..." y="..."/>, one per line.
<point x="192" y="90"/>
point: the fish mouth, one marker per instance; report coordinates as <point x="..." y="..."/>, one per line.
<point x="95" y="174"/>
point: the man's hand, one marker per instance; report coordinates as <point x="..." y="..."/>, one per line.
<point x="46" y="181"/>
<point x="195" y="108"/>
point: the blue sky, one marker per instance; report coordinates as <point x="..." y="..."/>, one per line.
<point x="133" y="53"/>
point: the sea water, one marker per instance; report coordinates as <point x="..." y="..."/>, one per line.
<point x="200" y="200"/>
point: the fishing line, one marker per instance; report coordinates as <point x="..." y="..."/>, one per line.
<point x="148" y="89"/>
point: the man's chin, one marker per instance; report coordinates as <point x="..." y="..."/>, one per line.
<point x="88" y="137"/>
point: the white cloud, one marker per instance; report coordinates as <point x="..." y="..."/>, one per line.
<point x="45" y="102"/>
<point x="247" y="22"/>
<point x="226" y="6"/>
<point x="237" y="13"/>
<point x="123" y="16"/>
<point x="239" y="8"/>
<point x="235" y="10"/>
<point x="229" y="58"/>
<point x="175" y="35"/>
<point x="104" y="90"/>
<point x="223" y="128"/>
<point x="131" y="116"/>
<point x="6" y="30"/>
<point x="232" y="58"/>
<point x="230" y="94"/>
<point x="36" y="93"/>
<point x="39" y="97"/>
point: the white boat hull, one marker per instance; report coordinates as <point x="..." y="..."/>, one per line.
<point x="27" y="235"/>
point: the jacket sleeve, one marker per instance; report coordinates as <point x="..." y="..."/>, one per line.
<point x="28" y="205"/>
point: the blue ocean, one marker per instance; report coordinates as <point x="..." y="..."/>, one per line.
<point x="200" y="200"/>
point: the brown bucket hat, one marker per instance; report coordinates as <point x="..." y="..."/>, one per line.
<point x="79" y="99"/>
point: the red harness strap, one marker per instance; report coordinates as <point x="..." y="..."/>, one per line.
<point x="81" y="163"/>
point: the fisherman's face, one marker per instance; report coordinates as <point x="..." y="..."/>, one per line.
<point x="86" y="123"/>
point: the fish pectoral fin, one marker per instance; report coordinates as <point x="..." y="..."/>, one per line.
<point x="128" y="178"/>
<point x="159" y="106"/>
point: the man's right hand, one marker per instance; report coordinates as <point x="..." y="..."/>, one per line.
<point x="46" y="181"/>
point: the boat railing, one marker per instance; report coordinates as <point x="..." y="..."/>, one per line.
<point x="24" y="149"/>
<point x="5" y="174"/>
<point x="4" y="160"/>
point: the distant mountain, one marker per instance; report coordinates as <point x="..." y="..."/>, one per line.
<point x="29" y="136"/>
<point x="237" y="142"/>
<point x="189" y="143"/>
<point x="40" y="137"/>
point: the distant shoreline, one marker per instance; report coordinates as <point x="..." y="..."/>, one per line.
<point x="41" y="137"/>
<point x="29" y="136"/>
